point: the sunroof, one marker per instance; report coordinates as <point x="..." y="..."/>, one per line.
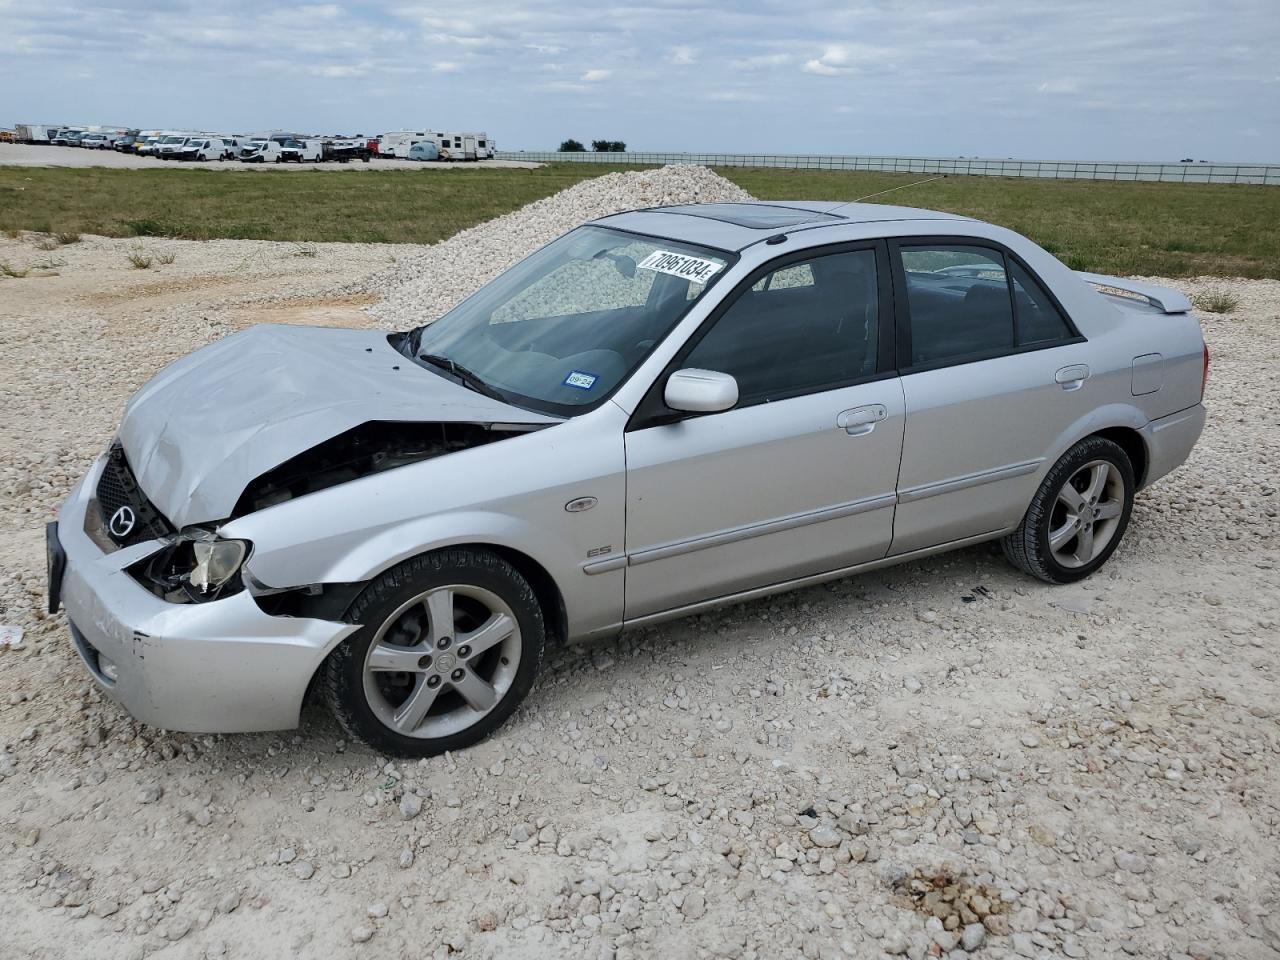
<point x="751" y="215"/>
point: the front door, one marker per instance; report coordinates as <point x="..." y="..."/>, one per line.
<point x="798" y="478"/>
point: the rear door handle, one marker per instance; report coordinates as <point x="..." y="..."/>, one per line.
<point x="861" y="420"/>
<point x="1072" y="377"/>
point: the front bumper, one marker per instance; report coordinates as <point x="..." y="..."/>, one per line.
<point x="218" y="667"/>
<point x="1170" y="439"/>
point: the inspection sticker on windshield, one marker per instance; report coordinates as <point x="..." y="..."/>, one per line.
<point x="681" y="265"/>
<point x="583" y="381"/>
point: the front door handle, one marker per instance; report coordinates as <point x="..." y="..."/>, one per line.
<point x="1072" y="377"/>
<point x="861" y="420"/>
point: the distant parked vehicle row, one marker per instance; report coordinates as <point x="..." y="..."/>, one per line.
<point x="422" y="145"/>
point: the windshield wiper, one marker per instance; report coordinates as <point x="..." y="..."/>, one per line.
<point x="469" y="379"/>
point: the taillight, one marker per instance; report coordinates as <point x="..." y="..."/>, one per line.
<point x="1204" y="379"/>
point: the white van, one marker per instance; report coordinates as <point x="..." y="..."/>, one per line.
<point x="202" y="148"/>
<point x="169" y="147"/>
<point x="260" y="151"/>
<point x="301" y="151"/>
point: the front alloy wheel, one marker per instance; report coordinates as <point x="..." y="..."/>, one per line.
<point x="442" y="661"/>
<point x="450" y="645"/>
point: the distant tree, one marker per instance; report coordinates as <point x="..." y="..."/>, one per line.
<point x="608" y="146"/>
<point x="572" y="146"/>
<point x="618" y="147"/>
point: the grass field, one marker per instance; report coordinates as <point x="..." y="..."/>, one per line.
<point x="1127" y="228"/>
<point x="1161" y="229"/>
<point x="387" y="206"/>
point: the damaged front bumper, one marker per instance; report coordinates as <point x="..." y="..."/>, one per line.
<point x="219" y="667"/>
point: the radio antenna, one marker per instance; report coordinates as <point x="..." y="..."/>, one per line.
<point x="881" y="193"/>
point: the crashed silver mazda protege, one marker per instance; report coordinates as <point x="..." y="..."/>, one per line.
<point x="661" y="411"/>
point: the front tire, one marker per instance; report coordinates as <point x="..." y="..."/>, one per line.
<point x="1078" y="516"/>
<point x="450" y="645"/>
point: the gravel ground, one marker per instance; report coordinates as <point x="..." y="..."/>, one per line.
<point x="944" y="758"/>
<point x="34" y="155"/>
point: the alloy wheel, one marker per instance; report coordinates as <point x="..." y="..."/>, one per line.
<point x="1086" y="514"/>
<point x="442" y="661"/>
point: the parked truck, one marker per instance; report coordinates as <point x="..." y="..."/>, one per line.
<point x="34" y="132"/>
<point x="343" y="150"/>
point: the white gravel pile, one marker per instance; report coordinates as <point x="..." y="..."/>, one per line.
<point x="422" y="288"/>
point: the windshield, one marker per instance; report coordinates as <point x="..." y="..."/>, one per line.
<point x="173" y="140"/>
<point x="561" y="330"/>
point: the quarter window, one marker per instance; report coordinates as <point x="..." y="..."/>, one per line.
<point x="1039" y="321"/>
<point x="958" y="300"/>
<point x="802" y="328"/>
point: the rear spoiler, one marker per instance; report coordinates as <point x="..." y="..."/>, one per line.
<point x="1162" y="298"/>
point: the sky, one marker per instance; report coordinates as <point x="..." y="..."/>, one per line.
<point x="1081" y="79"/>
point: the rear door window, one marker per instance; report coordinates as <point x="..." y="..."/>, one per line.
<point x="958" y="301"/>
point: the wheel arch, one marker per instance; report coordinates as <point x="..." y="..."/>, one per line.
<point x="544" y="585"/>
<point x="1135" y="447"/>
<point x="1119" y="422"/>
<point x="545" y="589"/>
<point x="550" y="598"/>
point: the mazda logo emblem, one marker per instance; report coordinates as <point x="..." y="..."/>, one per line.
<point x="122" y="522"/>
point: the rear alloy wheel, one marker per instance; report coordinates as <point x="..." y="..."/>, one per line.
<point x="1078" y="516"/>
<point x="451" y="644"/>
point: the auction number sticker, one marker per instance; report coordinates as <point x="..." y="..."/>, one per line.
<point x="583" y="381"/>
<point x="695" y="269"/>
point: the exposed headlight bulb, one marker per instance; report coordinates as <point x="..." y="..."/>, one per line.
<point x="216" y="561"/>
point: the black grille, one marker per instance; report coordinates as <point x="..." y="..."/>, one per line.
<point x="120" y="499"/>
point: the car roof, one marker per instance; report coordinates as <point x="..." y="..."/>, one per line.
<point x="735" y="225"/>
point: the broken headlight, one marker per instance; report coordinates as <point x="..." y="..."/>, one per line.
<point x="194" y="567"/>
<point x="217" y="561"/>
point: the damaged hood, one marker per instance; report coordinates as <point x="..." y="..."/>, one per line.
<point x="210" y="423"/>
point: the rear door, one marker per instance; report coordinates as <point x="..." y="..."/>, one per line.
<point x="993" y="372"/>
<point x="798" y="478"/>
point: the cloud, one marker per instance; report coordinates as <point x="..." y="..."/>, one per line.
<point x="339" y="71"/>
<point x="833" y="62"/>
<point x="466" y="41"/>
<point x="682" y="56"/>
<point x="761" y="61"/>
<point x="1059" y="85"/>
<point x="736" y="96"/>
<point x="768" y="74"/>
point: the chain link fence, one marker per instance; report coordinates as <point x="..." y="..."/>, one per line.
<point x="1047" y="169"/>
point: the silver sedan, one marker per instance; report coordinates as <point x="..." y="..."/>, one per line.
<point x="658" y="413"/>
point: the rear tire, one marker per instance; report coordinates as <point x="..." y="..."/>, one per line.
<point x="1078" y="516"/>
<point x="450" y="645"/>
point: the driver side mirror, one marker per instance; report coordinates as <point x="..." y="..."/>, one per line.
<point x="700" y="391"/>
